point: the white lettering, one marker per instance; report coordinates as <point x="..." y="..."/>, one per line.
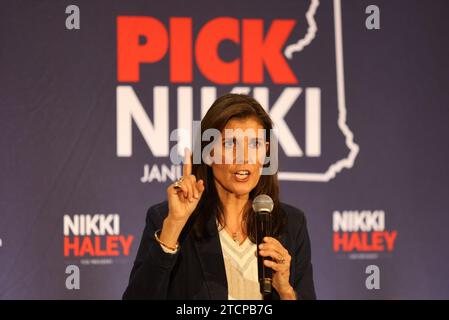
<point x="353" y="221"/>
<point x="86" y="224"/>
<point x="129" y="108"/>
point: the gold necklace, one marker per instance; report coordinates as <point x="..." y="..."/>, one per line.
<point x="234" y="235"/>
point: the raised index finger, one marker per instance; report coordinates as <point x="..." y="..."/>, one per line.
<point x="187" y="166"/>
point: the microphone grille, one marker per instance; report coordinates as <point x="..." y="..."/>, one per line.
<point x="263" y="202"/>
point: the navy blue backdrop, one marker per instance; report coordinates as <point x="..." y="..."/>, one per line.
<point x="363" y="116"/>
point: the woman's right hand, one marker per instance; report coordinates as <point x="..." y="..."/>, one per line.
<point x="182" y="201"/>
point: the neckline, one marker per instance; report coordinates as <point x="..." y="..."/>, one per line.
<point x="235" y="243"/>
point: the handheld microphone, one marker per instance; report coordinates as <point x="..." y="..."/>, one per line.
<point x="262" y="206"/>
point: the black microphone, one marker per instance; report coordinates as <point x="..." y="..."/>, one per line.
<point x="262" y="206"/>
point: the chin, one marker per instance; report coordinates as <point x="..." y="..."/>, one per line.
<point x="241" y="189"/>
<point x="242" y="192"/>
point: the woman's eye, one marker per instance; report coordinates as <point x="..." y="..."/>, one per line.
<point x="254" y="144"/>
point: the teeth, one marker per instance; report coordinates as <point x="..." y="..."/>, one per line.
<point x="242" y="172"/>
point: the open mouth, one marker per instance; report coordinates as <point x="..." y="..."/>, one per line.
<point x="242" y="174"/>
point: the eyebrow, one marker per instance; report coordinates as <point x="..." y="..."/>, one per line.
<point x="252" y="138"/>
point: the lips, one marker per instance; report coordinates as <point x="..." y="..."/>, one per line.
<point x="242" y="175"/>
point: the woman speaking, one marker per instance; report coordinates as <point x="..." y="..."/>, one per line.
<point x="201" y="242"/>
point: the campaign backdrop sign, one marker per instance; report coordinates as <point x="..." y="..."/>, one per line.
<point x="95" y="97"/>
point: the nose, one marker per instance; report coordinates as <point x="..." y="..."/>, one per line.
<point x="243" y="155"/>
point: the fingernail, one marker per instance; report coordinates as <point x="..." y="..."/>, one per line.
<point x="260" y="246"/>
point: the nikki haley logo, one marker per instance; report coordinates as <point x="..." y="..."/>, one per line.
<point x="362" y="231"/>
<point x="270" y="59"/>
<point x="95" y="235"/>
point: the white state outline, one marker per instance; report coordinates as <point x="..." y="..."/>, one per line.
<point x="347" y="162"/>
<point x="311" y="31"/>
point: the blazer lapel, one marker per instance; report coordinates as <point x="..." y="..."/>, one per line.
<point x="212" y="263"/>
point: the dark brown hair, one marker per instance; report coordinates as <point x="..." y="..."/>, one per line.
<point x="225" y="108"/>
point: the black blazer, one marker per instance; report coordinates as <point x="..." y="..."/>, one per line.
<point x="197" y="270"/>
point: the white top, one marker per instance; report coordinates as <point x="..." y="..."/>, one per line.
<point x="241" y="268"/>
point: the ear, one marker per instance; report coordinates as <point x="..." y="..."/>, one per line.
<point x="267" y="153"/>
